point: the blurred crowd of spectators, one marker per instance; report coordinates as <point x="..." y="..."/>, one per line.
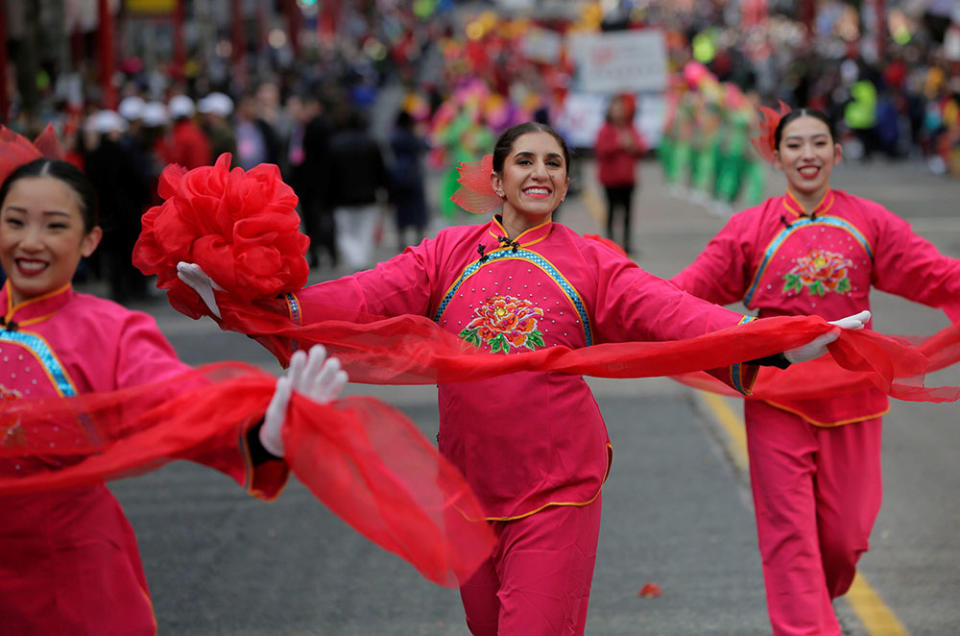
<point x="351" y="121"/>
<point x="898" y="96"/>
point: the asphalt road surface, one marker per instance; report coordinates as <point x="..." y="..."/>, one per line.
<point x="676" y="509"/>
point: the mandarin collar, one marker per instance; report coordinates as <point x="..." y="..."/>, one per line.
<point x="795" y="208"/>
<point x="34" y="309"/>
<point x="497" y="235"/>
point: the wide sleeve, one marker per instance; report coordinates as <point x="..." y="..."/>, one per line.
<point x="908" y="265"/>
<point x="722" y="271"/>
<point x="145" y="357"/>
<point x="400" y="286"/>
<point x="634" y="305"/>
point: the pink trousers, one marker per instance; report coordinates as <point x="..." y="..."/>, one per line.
<point x="816" y="494"/>
<point x="537" y="582"/>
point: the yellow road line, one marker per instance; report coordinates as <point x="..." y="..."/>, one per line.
<point x="877" y="619"/>
<point x="732" y="425"/>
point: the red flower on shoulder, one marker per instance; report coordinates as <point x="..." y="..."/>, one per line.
<point x="240" y="226"/>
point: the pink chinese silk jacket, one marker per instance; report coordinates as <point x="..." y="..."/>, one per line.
<point x="69" y="562"/>
<point x="527" y="440"/>
<point x="779" y="260"/>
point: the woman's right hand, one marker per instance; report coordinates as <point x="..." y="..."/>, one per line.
<point x="818" y="346"/>
<point x="198" y="280"/>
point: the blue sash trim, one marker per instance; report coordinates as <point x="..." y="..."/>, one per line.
<point x="539" y="261"/>
<point x="41" y="350"/>
<point x="787" y="231"/>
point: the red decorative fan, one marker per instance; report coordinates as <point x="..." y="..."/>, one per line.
<point x="475" y="194"/>
<point x="764" y="142"/>
<point x="16" y="150"/>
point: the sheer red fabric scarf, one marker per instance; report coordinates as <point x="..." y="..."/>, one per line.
<point x="363" y="459"/>
<point x="415" y="350"/>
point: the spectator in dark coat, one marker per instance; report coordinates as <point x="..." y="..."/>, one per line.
<point x="123" y="194"/>
<point x="355" y="187"/>
<point x="308" y="160"/>
<point x="407" y="179"/>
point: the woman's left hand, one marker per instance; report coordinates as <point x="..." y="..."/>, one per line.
<point x="818" y="346"/>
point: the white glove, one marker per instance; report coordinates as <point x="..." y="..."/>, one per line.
<point x="198" y="280"/>
<point x="312" y="375"/>
<point x="818" y="346"/>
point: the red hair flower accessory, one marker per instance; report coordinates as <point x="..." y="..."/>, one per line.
<point x="765" y="142"/>
<point x="16" y="150"/>
<point x="475" y="194"/>
<point x="240" y="226"/>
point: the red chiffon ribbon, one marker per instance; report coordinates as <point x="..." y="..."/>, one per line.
<point x="414" y="350"/>
<point x="821" y="378"/>
<point x="365" y="460"/>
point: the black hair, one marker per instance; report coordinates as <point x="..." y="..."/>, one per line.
<point x="68" y="174"/>
<point x="505" y="143"/>
<point x="797" y="114"/>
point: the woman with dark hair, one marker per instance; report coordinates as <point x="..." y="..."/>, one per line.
<point x="618" y="147"/>
<point x="69" y="562"/>
<point x="532" y="445"/>
<point x="815" y="464"/>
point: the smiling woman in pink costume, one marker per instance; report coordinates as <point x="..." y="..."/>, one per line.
<point x="532" y="445"/>
<point x="69" y="562"/>
<point x="815" y="464"/>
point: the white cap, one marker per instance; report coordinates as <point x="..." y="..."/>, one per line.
<point x="106" y="121"/>
<point x="217" y="104"/>
<point x="154" y="114"/>
<point x="180" y="106"/>
<point x="131" y="107"/>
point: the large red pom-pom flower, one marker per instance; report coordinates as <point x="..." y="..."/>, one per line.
<point x="240" y="226"/>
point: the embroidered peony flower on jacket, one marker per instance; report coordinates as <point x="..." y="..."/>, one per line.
<point x="503" y="322"/>
<point x="820" y="272"/>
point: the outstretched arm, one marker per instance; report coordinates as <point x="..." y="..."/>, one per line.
<point x="635" y="305"/>
<point x="908" y="265"/>
<point x="399" y="286"/>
